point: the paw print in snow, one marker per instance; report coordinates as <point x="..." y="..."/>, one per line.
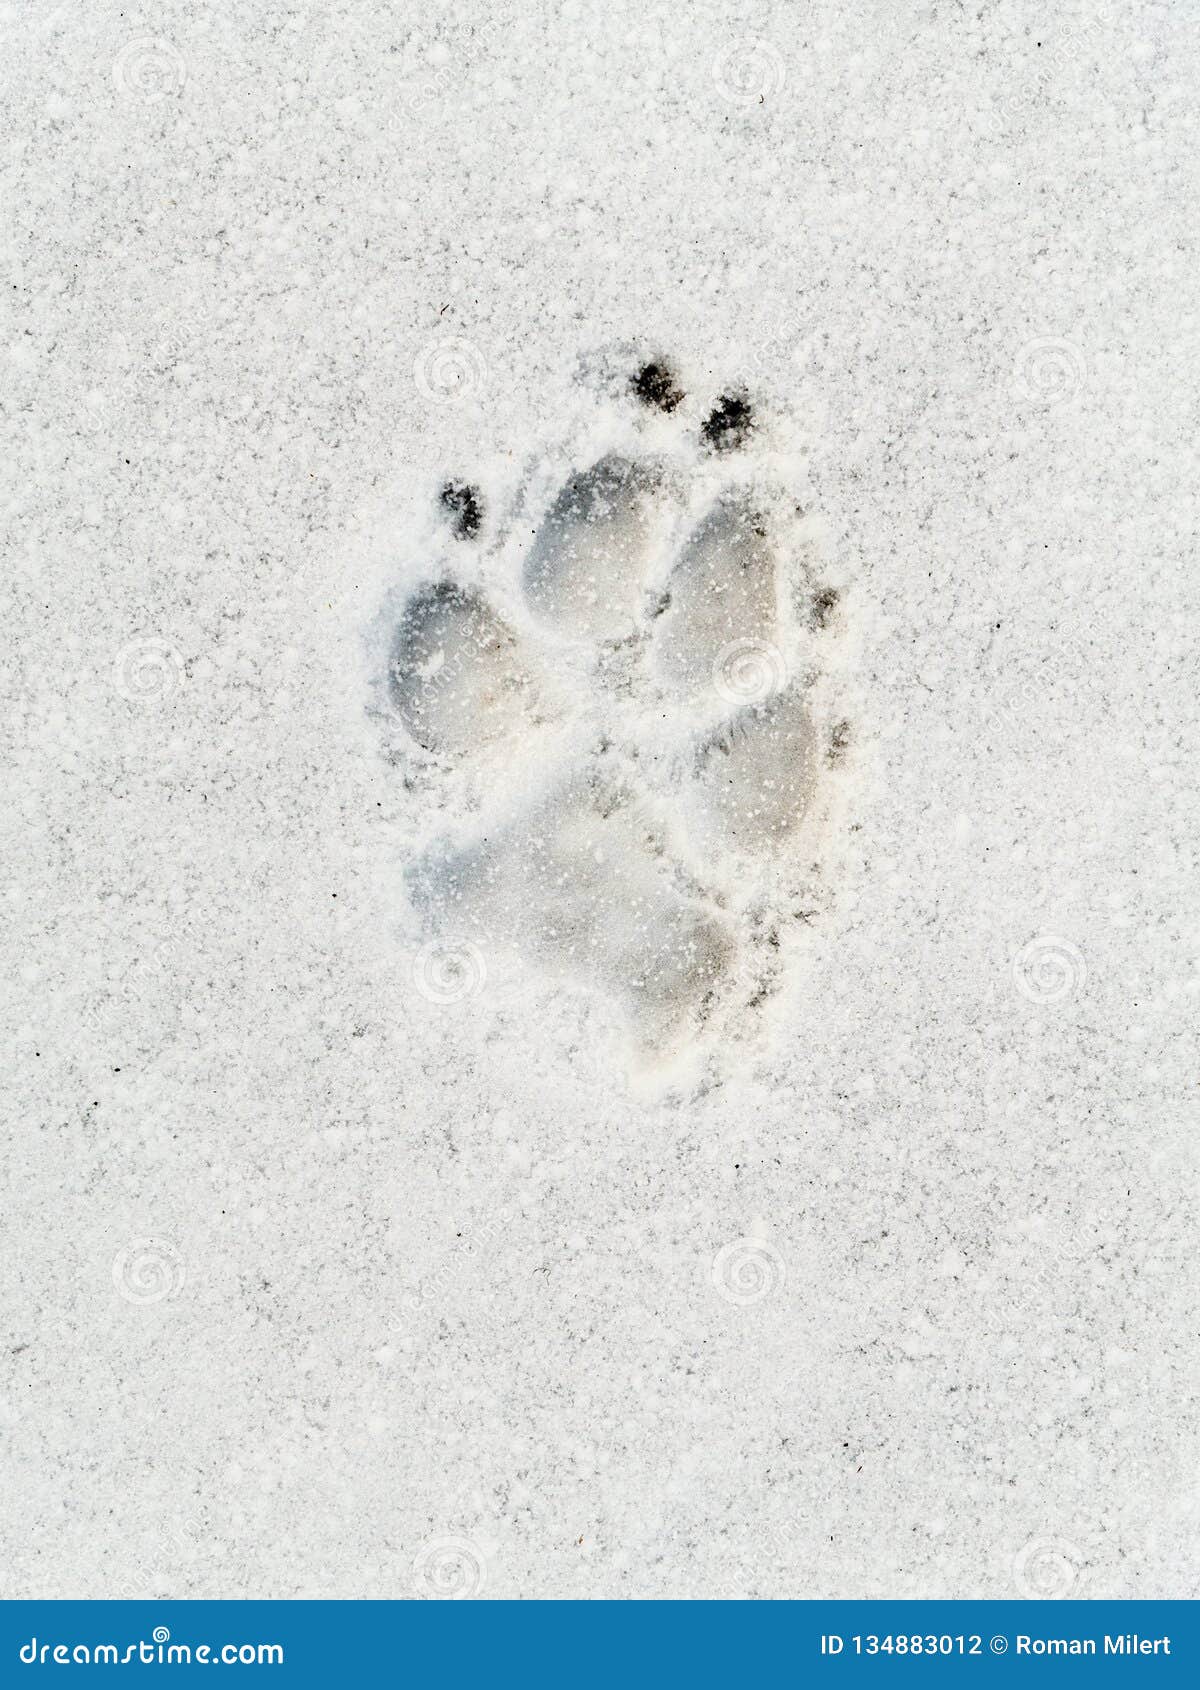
<point x="617" y="712"/>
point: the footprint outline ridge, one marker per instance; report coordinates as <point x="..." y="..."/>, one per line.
<point x="618" y="711"/>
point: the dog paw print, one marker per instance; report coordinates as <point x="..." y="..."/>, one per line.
<point x="617" y="715"/>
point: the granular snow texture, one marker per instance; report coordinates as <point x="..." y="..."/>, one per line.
<point x="602" y="826"/>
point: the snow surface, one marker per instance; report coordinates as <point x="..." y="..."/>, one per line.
<point x="336" y="1267"/>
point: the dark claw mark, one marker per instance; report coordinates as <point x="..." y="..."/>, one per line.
<point x="728" y="424"/>
<point x="465" y="508"/>
<point x="823" y="606"/>
<point x="655" y="385"/>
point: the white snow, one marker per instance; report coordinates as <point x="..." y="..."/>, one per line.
<point x="349" y="1253"/>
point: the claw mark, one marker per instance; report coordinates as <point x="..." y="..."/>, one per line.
<point x="825" y="602"/>
<point x="655" y="385"/>
<point x="464" y="507"/>
<point x="728" y="425"/>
